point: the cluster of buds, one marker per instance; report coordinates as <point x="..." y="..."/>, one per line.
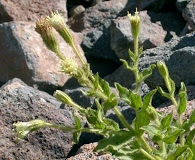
<point x="45" y="28"/>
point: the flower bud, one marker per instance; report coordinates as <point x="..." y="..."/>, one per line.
<point x="23" y="128"/>
<point x="57" y="21"/>
<point x="163" y="69"/>
<point x="45" y="30"/>
<point x="135" y="23"/>
<point x="63" y="97"/>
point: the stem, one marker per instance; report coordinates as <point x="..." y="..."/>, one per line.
<point x="145" y="144"/>
<point x="122" y="119"/>
<point x="149" y="156"/>
<point x="77" y="53"/>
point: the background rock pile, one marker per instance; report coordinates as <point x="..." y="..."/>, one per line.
<point x="29" y="72"/>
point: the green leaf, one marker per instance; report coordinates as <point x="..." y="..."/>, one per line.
<point x="136" y="101"/>
<point x="124" y="93"/>
<point x="163" y="93"/>
<point x="96" y="82"/>
<point x="190" y="137"/>
<point x="147" y="72"/>
<point x="178" y="152"/>
<point x="111" y="102"/>
<point x="140" y="51"/>
<point x="153" y="131"/>
<point x="147" y="100"/>
<point x="172" y="135"/>
<point x="131" y="55"/>
<point x="105" y="86"/>
<point x="116" y="139"/>
<point x="191" y="121"/>
<point x="78" y="125"/>
<point x="126" y="65"/>
<point x="166" y="121"/>
<point x="182" y="99"/>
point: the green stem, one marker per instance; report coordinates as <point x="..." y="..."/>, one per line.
<point x="77" y="53"/>
<point x="149" y="156"/>
<point x="122" y="119"/>
<point x="144" y="143"/>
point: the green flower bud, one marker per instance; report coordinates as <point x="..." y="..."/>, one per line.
<point x="163" y="69"/>
<point x="23" y="128"/>
<point x="135" y="23"/>
<point x="57" y="21"/>
<point x="45" y="30"/>
<point x="63" y="97"/>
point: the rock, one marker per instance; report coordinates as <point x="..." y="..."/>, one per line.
<point x="189" y="14"/>
<point x="181" y="4"/>
<point x="155" y="5"/>
<point x="94" y="23"/>
<point x="25" y="56"/>
<point x="178" y="54"/>
<point x="30" y="10"/>
<point x="86" y="152"/>
<point x="76" y="10"/>
<point x="151" y="35"/>
<point x="20" y="102"/>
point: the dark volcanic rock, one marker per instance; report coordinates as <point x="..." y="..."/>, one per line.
<point x="19" y="102"/>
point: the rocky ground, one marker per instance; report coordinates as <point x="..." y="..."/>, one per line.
<point x="29" y="72"/>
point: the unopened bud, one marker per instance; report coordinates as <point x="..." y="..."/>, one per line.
<point x="135" y="23"/>
<point x="23" y="128"/>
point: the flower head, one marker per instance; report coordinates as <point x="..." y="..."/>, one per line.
<point x="45" y="30"/>
<point x="69" y="66"/>
<point x="135" y="23"/>
<point x="23" y="128"/>
<point x="57" y="21"/>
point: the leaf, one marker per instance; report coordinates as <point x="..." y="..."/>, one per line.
<point x="147" y="100"/>
<point x="111" y="102"/>
<point x="78" y="125"/>
<point x="96" y="82"/>
<point x="131" y="55"/>
<point x="190" y="137"/>
<point x="136" y="101"/>
<point x="163" y="93"/>
<point x="126" y="65"/>
<point x="124" y="93"/>
<point x="153" y="132"/>
<point x="147" y="72"/>
<point x="172" y="135"/>
<point x="191" y="121"/>
<point x="142" y="119"/>
<point x="140" y="50"/>
<point x="166" y="121"/>
<point x="105" y="86"/>
<point x="116" y="140"/>
<point x="182" y="99"/>
<point x="178" y="152"/>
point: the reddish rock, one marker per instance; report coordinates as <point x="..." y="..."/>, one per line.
<point x="25" y="56"/>
<point x="29" y="10"/>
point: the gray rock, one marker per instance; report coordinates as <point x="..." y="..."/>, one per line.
<point x="94" y="23"/>
<point x="189" y="14"/>
<point x="151" y="35"/>
<point x="178" y="54"/>
<point x="25" y="56"/>
<point x="181" y="4"/>
<point x="19" y="102"/>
